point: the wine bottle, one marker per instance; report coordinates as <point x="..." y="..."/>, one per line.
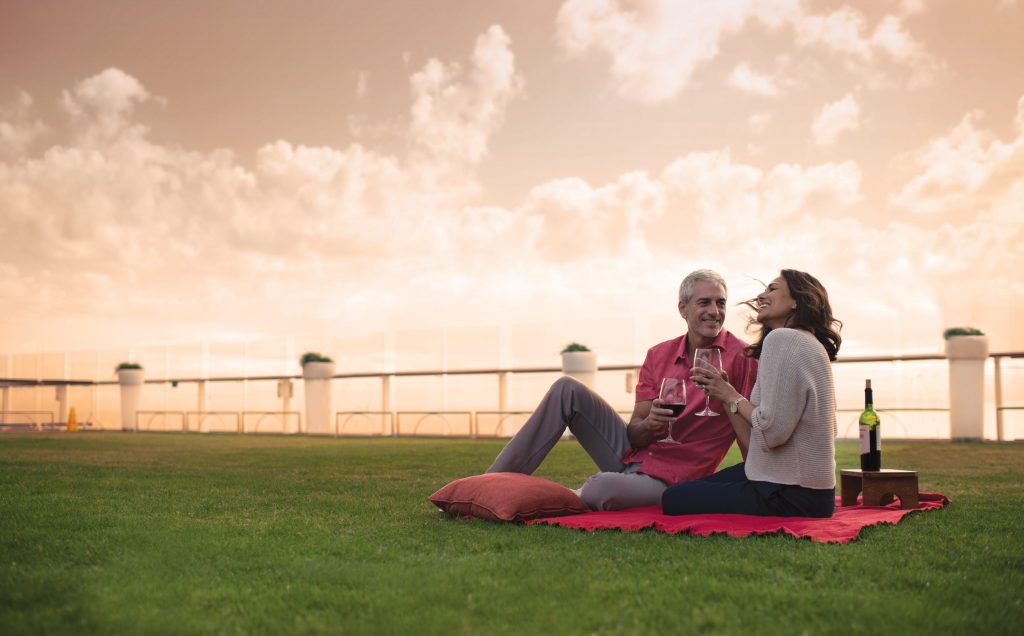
<point x="870" y="441"/>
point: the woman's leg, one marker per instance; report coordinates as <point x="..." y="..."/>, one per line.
<point x="736" y="472"/>
<point x="794" y="501"/>
<point x="709" y="495"/>
<point x="717" y="494"/>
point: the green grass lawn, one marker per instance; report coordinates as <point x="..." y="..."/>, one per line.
<point x="150" y="533"/>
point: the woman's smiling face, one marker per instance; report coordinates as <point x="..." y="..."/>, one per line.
<point x="775" y="304"/>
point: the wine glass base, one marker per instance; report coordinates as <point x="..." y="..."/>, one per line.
<point x="707" y="413"/>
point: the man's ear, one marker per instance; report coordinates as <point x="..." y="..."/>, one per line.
<point x="682" y="309"/>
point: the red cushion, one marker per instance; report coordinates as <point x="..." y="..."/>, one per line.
<point x="507" y="497"/>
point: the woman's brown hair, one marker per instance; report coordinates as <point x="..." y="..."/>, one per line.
<point x="813" y="313"/>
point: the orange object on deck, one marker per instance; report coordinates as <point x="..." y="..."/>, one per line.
<point x="72" y="422"/>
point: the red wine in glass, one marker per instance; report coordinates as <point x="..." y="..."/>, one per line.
<point x="673" y="397"/>
<point x="677" y="409"/>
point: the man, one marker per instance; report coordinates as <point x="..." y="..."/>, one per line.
<point x="635" y="467"/>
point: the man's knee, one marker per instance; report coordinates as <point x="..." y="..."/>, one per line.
<point x="605" y="491"/>
<point x="565" y="384"/>
<point x="595" y="492"/>
<point x="615" y="491"/>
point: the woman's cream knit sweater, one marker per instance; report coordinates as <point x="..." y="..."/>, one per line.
<point x="792" y="440"/>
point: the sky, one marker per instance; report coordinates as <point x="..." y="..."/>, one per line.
<point x="200" y="171"/>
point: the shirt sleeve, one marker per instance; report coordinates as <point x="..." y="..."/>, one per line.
<point x="647" y="385"/>
<point x="783" y="391"/>
<point x="743" y="375"/>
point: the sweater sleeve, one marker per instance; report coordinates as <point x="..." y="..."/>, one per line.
<point x="783" y="388"/>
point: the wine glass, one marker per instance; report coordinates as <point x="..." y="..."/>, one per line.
<point x="673" y="398"/>
<point x="708" y="359"/>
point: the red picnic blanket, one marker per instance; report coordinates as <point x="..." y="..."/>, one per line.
<point x="844" y="526"/>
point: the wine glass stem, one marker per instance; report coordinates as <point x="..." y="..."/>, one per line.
<point x="707" y="402"/>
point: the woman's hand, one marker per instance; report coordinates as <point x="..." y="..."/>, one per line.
<point x="715" y="383"/>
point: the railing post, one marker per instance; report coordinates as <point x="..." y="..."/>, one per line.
<point x="503" y="391"/>
<point x="385" y="400"/>
<point x="502" y="398"/>
<point x="997" y="360"/>
<point x="317" y="378"/>
<point x="62" y="403"/>
<point x="5" y="398"/>
<point x="285" y="390"/>
<point x="201" y="403"/>
<point x="130" y="381"/>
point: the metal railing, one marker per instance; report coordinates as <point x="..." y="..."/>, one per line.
<point x="144" y="420"/>
<point x="283" y="418"/>
<point x="29" y="419"/>
<point x="389" y="422"/>
<point x="343" y="419"/>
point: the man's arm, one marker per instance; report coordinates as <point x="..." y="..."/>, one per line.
<point x="647" y="423"/>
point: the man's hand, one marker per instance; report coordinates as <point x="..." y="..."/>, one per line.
<point x="651" y="428"/>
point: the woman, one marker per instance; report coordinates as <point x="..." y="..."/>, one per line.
<point x="789" y="424"/>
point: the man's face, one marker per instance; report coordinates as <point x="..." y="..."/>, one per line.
<point x="705" y="313"/>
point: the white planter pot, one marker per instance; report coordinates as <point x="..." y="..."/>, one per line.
<point x="581" y="365"/>
<point x="316" y="377"/>
<point x="131" y="393"/>
<point x="967" y="355"/>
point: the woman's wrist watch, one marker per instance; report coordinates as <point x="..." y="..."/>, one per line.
<point x="734" y="406"/>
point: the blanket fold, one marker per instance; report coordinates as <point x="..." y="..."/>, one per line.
<point x="844" y="526"/>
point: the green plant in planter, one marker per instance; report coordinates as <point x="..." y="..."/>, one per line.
<point x="961" y="331"/>
<point x="575" y="346"/>
<point x="127" y="366"/>
<point x="311" y="356"/>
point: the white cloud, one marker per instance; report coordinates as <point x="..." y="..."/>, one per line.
<point x="748" y="80"/>
<point x="454" y="113"/>
<point x="341" y="237"/>
<point x="719" y="188"/>
<point x="836" y="118"/>
<point x="758" y="122"/>
<point x="579" y="221"/>
<point x="362" y="84"/>
<point x="103" y="104"/>
<point x="158" y="222"/>
<point x="912" y="7"/>
<point x="846" y="31"/>
<point x="18" y="130"/>
<point x="956" y="170"/>
<point x="656" y="46"/>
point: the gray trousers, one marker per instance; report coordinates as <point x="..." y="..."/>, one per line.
<point x="601" y="432"/>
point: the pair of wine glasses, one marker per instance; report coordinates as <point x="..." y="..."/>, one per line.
<point x="673" y="391"/>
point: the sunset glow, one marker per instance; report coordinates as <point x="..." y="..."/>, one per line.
<point x="194" y="171"/>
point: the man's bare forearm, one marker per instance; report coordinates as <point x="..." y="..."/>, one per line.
<point x="639" y="436"/>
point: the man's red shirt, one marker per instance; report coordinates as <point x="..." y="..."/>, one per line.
<point x="703" y="441"/>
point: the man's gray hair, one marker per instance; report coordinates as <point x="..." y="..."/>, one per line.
<point x="696" y="276"/>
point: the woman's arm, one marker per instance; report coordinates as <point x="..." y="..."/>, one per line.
<point x="741" y="423"/>
<point x="782" y="378"/>
<point x="719" y="388"/>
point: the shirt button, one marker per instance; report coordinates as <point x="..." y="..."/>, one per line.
<point x="650" y="454"/>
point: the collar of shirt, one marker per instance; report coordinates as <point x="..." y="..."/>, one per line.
<point x="717" y="343"/>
